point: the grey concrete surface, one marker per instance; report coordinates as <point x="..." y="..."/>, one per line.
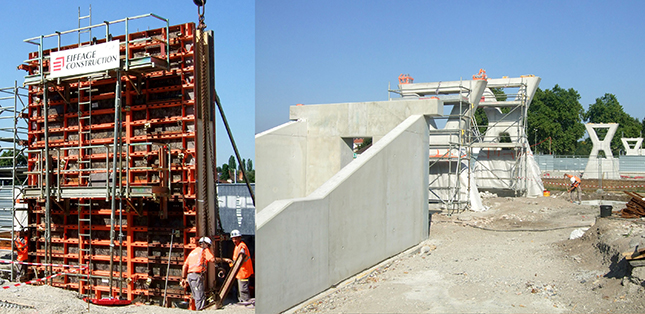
<point x="294" y="159"/>
<point x="280" y="163"/>
<point x="608" y="167"/>
<point x="372" y="209"/>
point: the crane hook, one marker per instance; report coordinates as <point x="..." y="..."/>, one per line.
<point x="201" y="8"/>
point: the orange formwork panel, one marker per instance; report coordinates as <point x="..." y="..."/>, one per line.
<point x="71" y="126"/>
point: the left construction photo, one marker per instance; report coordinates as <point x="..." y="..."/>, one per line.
<point x="113" y="136"/>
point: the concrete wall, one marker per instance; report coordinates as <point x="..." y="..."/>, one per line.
<point x="280" y="160"/>
<point x="296" y="158"/>
<point x="370" y="210"/>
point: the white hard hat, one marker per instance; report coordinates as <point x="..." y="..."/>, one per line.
<point x="235" y="233"/>
<point x="206" y="239"/>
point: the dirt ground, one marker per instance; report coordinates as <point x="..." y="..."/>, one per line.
<point x="50" y="300"/>
<point x="517" y="257"/>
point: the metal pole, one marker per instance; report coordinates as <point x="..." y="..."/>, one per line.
<point x="237" y="153"/>
<point x="46" y="156"/>
<point x="117" y="130"/>
<point x="165" y="290"/>
<point x="600" y="174"/>
<point x="13" y="173"/>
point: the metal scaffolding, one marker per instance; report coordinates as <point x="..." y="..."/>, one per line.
<point x="450" y="138"/>
<point x="504" y="156"/>
<point x="13" y="131"/>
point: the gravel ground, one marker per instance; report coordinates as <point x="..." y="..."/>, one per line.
<point x="514" y="258"/>
<point x="50" y="300"/>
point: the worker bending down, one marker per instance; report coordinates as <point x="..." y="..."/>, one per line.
<point x="194" y="270"/>
<point x="246" y="270"/>
<point x="575" y="186"/>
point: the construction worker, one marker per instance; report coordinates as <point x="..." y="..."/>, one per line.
<point x="194" y="270"/>
<point x="22" y="249"/>
<point x="575" y="186"/>
<point x="246" y="270"/>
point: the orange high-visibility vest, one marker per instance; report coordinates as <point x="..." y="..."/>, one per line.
<point x="577" y="180"/>
<point x="247" y="267"/>
<point x="196" y="262"/>
<point x="22" y="249"/>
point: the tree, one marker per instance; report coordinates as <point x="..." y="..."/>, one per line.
<point x="243" y="165"/>
<point x="556" y="113"/>
<point x="7" y="161"/>
<point x="249" y="165"/>
<point x="607" y="109"/>
<point x="231" y="162"/>
<point x="225" y="174"/>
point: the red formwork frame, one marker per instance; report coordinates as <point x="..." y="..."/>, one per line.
<point x="158" y="152"/>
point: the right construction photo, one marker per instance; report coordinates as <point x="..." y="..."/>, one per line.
<point x="449" y="157"/>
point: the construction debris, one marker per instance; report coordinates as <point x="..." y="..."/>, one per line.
<point x="635" y="207"/>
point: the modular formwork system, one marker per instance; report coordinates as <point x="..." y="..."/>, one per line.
<point x="121" y="162"/>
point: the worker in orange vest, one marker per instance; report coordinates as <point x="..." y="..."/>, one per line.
<point x="246" y="270"/>
<point x="575" y="186"/>
<point x="194" y="270"/>
<point x="22" y="254"/>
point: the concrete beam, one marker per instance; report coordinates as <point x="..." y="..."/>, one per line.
<point x="472" y="89"/>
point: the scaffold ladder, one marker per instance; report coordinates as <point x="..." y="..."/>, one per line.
<point x="85" y="244"/>
<point x="84" y="163"/>
<point x="85" y="132"/>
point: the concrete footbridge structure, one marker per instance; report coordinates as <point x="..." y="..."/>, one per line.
<point x="326" y="211"/>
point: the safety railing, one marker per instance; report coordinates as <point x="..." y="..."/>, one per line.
<point x="41" y="75"/>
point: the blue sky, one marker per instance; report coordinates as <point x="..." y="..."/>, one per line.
<point x="344" y="51"/>
<point x="233" y="22"/>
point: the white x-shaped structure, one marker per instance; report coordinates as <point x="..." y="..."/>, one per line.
<point x="599" y="145"/>
<point x="607" y="167"/>
<point x="632" y="145"/>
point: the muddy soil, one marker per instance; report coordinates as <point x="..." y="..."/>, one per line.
<point x="517" y="257"/>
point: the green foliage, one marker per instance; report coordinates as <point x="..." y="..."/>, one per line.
<point x="607" y="109"/>
<point x="21" y="160"/>
<point x="366" y="142"/>
<point x="583" y="148"/>
<point x="251" y="176"/>
<point x="499" y="93"/>
<point x="481" y="119"/>
<point x="228" y="170"/>
<point x="556" y="113"/>
<point x="231" y="162"/>
<point x="225" y="174"/>
<point x="249" y="165"/>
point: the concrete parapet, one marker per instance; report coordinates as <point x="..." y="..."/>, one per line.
<point x="372" y="209"/>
